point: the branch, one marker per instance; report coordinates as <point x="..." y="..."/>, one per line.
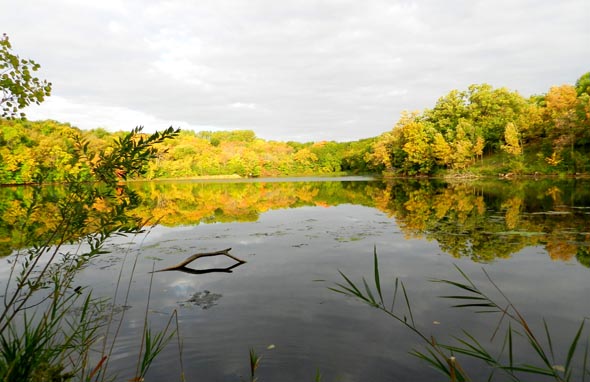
<point x="182" y="266"/>
<point x="204" y="271"/>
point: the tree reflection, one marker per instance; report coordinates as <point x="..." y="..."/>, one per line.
<point x="481" y="220"/>
<point x="487" y="220"/>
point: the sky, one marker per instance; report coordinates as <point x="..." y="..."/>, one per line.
<point x="296" y="70"/>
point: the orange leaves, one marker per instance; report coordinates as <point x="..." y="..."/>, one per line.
<point x="561" y="100"/>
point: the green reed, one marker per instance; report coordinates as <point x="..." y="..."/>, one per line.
<point x="50" y="325"/>
<point x="503" y="365"/>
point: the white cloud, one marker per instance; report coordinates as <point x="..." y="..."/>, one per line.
<point x="308" y="70"/>
<point x="114" y="118"/>
<point x="242" y="105"/>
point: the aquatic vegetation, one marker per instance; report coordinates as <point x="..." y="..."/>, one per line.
<point x="449" y="358"/>
<point x="39" y="337"/>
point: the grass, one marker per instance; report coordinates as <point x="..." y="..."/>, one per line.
<point x="49" y="325"/>
<point x="554" y="364"/>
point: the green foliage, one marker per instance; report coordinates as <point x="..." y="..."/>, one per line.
<point x="583" y="84"/>
<point x="465" y="125"/>
<point x="18" y="85"/>
<point x="583" y="256"/>
<point x="40" y="339"/>
<point x="460" y="132"/>
<point x="48" y="148"/>
<point x="254" y="364"/>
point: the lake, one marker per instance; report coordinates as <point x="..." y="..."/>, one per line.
<point x="532" y="237"/>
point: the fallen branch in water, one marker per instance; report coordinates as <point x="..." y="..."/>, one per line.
<point x="182" y="266"/>
<point x="203" y="271"/>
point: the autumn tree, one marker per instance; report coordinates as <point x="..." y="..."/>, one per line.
<point x="562" y="122"/>
<point x="491" y="109"/>
<point x="442" y="150"/>
<point x="447" y="112"/>
<point x="379" y="156"/>
<point x="415" y="139"/>
<point x="18" y="85"/>
<point x="463" y="152"/>
<point x="485" y="109"/>
<point x="512" y="138"/>
<point x="583" y="84"/>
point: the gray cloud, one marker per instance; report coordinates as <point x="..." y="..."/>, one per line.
<point x="302" y="70"/>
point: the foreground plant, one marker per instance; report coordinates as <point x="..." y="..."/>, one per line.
<point x="570" y="366"/>
<point x="48" y="323"/>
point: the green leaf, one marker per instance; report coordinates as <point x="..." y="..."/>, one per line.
<point x="573" y="346"/>
<point x="377" y="279"/>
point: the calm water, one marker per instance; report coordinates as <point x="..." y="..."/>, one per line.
<point x="532" y="238"/>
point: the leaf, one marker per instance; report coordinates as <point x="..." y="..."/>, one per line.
<point x="529" y="369"/>
<point x="572" y="349"/>
<point x="377" y="279"/>
<point x="548" y="339"/>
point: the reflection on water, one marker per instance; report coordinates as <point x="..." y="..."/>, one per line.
<point x="478" y="220"/>
<point x="488" y="220"/>
<point x="296" y="236"/>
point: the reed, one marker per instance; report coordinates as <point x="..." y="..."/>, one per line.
<point x="49" y="325"/>
<point x="564" y="366"/>
<point x="254" y="364"/>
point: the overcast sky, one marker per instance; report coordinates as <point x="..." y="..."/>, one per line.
<point x="289" y="70"/>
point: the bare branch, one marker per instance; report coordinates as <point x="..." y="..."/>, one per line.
<point x="182" y="266"/>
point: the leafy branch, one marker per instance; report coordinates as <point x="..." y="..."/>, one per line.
<point x="36" y="329"/>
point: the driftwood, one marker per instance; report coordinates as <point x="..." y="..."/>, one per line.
<point x="203" y="271"/>
<point x="182" y="266"/>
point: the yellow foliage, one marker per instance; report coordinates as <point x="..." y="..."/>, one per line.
<point x="512" y="138"/>
<point x="442" y="151"/>
<point x="513" y="207"/>
<point x="554" y="159"/>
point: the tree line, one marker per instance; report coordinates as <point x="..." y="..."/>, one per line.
<point x="480" y="129"/>
<point x="28" y="149"/>
<point x="548" y="133"/>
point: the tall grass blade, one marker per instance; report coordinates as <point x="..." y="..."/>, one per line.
<point x="395" y="289"/>
<point x="370" y="296"/>
<point x="318" y="376"/>
<point x="97" y="367"/>
<point x="573" y="346"/>
<point x="179" y="341"/>
<point x="531" y="370"/>
<point x="549" y="342"/>
<point x="540" y="352"/>
<point x="460" y="285"/>
<point x="433" y="360"/>
<point x="357" y="292"/>
<point x="585" y="362"/>
<point x="510" y="347"/>
<point x="348" y="292"/>
<point x="408" y="304"/>
<point x="467" y="277"/>
<point x="254" y="363"/>
<point x="377" y="277"/>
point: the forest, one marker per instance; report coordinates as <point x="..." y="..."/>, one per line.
<point x="481" y="130"/>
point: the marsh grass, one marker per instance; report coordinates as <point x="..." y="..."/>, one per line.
<point x="49" y="325"/>
<point x="152" y="343"/>
<point x="551" y="363"/>
<point x="254" y="364"/>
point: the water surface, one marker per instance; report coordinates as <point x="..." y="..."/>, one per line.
<point x="531" y="237"/>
